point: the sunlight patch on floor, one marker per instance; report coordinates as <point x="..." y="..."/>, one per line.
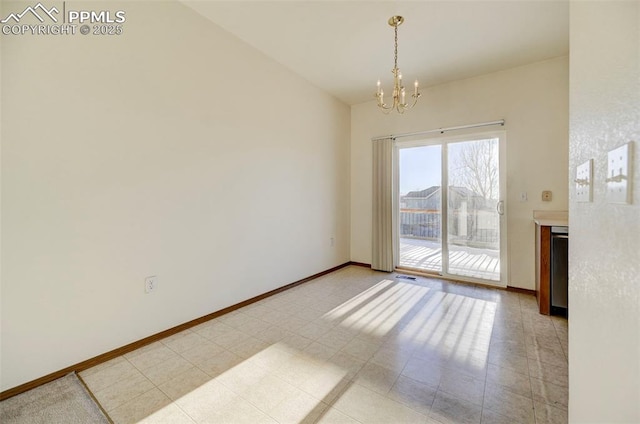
<point x="381" y="309"/>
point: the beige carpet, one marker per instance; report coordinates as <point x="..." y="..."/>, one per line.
<point x="63" y="401"/>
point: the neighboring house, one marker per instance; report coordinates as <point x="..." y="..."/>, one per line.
<point x="420" y="216"/>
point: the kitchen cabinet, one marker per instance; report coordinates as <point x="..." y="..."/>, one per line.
<point x="543" y="268"/>
<point x="544" y="221"/>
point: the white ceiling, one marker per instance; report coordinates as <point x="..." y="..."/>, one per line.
<point x="344" y="47"/>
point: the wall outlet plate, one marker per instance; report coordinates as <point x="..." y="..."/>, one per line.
<point x="584" y="178"/>
<point x="619" y="173"/>
<point x="150" y="284"/>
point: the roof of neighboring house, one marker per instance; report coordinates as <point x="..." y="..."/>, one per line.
<point x="428" y="192"/>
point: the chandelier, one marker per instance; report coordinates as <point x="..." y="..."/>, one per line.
<point x="399" y="96"/>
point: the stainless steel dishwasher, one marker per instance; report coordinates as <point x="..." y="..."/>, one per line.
<point x="559" y="270"/>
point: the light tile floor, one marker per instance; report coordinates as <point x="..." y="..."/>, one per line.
<point x="354" y="346"/>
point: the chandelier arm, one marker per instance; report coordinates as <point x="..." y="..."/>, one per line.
<point x="383" y="106"/>
<point x="415" y="100"/>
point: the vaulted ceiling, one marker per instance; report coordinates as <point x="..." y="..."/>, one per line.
<point x="344" y="47"/>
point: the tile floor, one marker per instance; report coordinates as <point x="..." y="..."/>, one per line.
<point x="355" y="346"/>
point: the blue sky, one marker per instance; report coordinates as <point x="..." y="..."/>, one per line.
<point x="419" y="168"/>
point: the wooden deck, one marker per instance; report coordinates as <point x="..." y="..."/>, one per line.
<point x="464" y="261"/>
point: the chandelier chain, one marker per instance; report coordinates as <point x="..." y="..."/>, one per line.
<point x="395" y="54"/>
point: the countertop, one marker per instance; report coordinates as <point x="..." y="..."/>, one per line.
<point x="552" y="222"/>
<point x="551" y="218"/>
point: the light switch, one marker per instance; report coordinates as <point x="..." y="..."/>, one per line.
<point x="619" y="174"/>
<point x="584" y="178"/>
<point x="546" y="196"/>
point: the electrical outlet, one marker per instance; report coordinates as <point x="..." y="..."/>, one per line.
<point x="150" y="284"/>
<point x="546" y="196"/>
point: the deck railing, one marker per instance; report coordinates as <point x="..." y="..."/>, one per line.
<point x="473" y="227"/>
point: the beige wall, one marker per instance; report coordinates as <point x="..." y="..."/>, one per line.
<point x="604" y="254"/>
<point x="211" y="166"/>
<point x="532" y="99"/>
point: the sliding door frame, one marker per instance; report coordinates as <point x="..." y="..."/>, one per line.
<point x="444" y="142"/>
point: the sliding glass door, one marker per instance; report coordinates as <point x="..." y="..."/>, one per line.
<point x="420" y="216"/>
<point x="459" y="231"/>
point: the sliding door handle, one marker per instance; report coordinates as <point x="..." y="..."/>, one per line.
<point x="500" y="207"/>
